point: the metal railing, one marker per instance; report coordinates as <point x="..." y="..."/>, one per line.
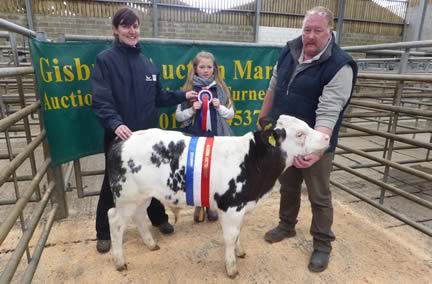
<point x="403" y="111"/>
<point x="53" y="187"/>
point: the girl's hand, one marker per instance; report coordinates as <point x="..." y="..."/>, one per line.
<point x="196" y="106"/>
<point x="216" y="103"/>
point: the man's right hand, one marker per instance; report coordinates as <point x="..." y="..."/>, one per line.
<point x="123" y="132"/>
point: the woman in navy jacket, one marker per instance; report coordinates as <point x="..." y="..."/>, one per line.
<point x="126" y="93"/>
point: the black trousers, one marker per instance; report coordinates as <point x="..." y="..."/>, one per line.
<point x="156" y="211"/>
<point x="317" y="179"/>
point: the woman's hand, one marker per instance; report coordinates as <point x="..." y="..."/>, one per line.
<point x="216" y="103"/>
<point x="123" y="132"/>
<point x="191" y="95"/>
<point x="196" y="106"/>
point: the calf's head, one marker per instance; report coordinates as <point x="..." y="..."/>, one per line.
<point x="294" y="137"/>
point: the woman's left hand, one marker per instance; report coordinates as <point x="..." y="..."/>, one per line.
<point x="191" y="95"/>
<point x="216" y="103"/>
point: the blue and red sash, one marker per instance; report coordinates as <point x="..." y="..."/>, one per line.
<point x="198" y="171"/>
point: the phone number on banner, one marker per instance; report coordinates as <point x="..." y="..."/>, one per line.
<point x="241" y="118"/>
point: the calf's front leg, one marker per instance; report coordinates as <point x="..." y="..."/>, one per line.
<point x="231" y="222"/>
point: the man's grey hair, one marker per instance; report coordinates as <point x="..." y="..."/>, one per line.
<point x="322" y="11"/>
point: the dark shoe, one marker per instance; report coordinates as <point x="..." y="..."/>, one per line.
<point x="166" y="228"/>
<point x="199" y="214"/>
<point x="319" y="261"/>
<point x="278" y="233"/>
<point x="212" y="215"/>
<point x="103" y="246"/>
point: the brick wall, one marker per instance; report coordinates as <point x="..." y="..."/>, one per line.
<point x="54" y="25"/>
<point x="349" y="39"/>
<point x="216" y="32"/>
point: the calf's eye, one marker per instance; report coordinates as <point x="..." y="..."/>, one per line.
<point x="299" y="134"/>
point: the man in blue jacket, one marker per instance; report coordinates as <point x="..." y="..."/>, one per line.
<point x="126" y="93"/>
<point x="313" y="81"/>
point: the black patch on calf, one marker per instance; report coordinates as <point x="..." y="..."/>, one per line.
<point x="116" y="171"/>
<point x="134" y="169"/>
<point x="261" y="167"/>
<point x="170" y="155"/>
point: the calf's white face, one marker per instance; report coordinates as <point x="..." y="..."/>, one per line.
<point x="300" y="139"/>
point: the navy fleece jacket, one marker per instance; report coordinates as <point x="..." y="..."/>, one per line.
<point x="126" y="89"/>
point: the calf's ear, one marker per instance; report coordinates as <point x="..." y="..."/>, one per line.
<point x="273" y="137"/>
<point x="266" y="123"/>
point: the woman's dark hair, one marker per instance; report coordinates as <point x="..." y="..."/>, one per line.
<point x="124" y="16"/>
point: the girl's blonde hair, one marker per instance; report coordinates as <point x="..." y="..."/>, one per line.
<point x="189" y="85"/>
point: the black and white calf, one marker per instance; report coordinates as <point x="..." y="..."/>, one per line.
<point x="153" y="163"/>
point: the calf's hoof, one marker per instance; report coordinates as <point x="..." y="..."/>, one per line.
<point x="154" y="247"/>
<point x="231" y="269"/>
<point x="241" y="254"/>
<point x="121" y="267"/>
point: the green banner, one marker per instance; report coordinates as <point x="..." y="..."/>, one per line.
<point x="63" y="73"/>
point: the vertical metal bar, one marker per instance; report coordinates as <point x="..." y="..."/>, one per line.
<point x="78" y="178"/>
<point x="393" y="121"/>
<point x="421" y="19"/>
<point x="340" y="19"/>
<point x="55" y="174"/>
<point x="257" y="19"/>
<point x="29" y="12"/>
<point x="155" y="19"/>
<point x="13" y="43"/>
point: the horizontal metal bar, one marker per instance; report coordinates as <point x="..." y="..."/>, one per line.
<point x="12" y="27"/>
<point x="20" y="158"/>
<point x="15" y="259"/>
<point x="377" y="149"/>
<point x="391" y="212"/>
<point x="17" y="116"/>
<point x="396" y="77"/>
<point x="396" y="45"/>
<point x="366" y="114"/>
<point x="37" y="252"/>
<point x="396" y="52"/>
<point x="374" y="165"/>
<point x="74" y="37"/>
<point x="92" y="173"/>
<point x="394" y="137"/>
<point x="21" y="178"/>
<point x="13" y="71"/>
<point x="91" y="193"/>
<point x="13" y="201"/>
<point x="405" y="110"/>
<point x="21" y="203"/>
<point x="390" y="95"/>
<point x="4" y="34"/>
<point x="388" y="163"/>
<point x="391" y="188"/>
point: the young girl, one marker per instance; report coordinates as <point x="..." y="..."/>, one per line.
<point x="207" y="116"/>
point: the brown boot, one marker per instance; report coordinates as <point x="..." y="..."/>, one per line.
<point x="199" y="214"/>
<point x="278" y="233"/>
